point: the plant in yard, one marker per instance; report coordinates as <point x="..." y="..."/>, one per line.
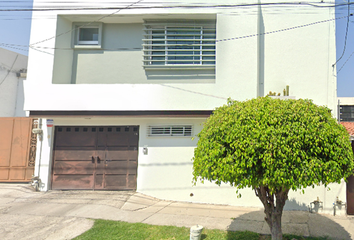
<point x="272" y="146"/>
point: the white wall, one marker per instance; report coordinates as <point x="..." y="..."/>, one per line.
<point x="11" y="86"/>
<point x="301" y="58"/>
<point x="245" y="68"/>
<point x="166" y="171"/>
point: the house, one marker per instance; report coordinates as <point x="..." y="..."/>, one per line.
<point x="13" y="67"/>
<point x="17" y="143"/>
<point x="121" y="89"/>
<point x="346" y="118"/>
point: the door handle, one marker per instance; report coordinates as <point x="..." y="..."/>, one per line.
<point x="93" y="159"/>
<point x="98" y="159"/>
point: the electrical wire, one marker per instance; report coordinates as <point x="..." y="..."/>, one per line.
<point x="8" y="71"/>
<point x="321" y="5"/>
<point x="105" y="16"/>
<point x="346" y="36"/>
<point x="218" y="40"/>
<point x="345" y="62"/>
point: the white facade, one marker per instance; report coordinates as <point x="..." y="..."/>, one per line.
<point x="257" y="51"/>
<point x="11" y="83"/>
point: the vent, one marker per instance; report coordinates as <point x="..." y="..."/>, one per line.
<point x="175" y="130"/>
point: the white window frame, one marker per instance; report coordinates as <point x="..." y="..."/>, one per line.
<point x="187" y="44"/>
<point x="170" y="131"/>
<point x="87" y="44"/>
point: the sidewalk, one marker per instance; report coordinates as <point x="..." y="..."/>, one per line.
<point x="25" y="214"/>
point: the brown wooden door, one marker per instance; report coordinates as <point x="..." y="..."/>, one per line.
<point x="95" y="158"/>
<point x="350" y="195"/>
<point x="17" y="149"/>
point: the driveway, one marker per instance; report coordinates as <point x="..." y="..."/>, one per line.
<point x="25" y="214"/>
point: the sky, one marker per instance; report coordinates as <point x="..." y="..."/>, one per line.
<point x="15" y="30"/>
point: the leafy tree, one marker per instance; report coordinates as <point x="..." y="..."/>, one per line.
<point x="272" y="146"/>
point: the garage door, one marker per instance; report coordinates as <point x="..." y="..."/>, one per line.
<point x="17" y="149"/>
<point x="95" y="157"/>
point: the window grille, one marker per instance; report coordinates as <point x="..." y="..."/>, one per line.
<point x="177" y="130"/>
<point x="183" y="44"/>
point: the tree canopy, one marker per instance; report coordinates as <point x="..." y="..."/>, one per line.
<point x="270" y="142"/>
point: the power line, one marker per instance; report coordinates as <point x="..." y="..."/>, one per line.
<point x="84" y="24"/>
<point x="346" y="35"/>
<point x="345" y="62"/>
<point x="320" y="5"/>
<point x="8" y="71"/>
<point x="218" y="40"/>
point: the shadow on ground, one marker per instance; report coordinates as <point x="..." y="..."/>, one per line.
<point x="301" y="223"/>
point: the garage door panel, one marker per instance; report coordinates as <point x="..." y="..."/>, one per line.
<point x="6" y="128"/>
<point x="70" y="137"/>
<point x="350" y="195"/>
<point x="4" y="173"/>
<point x="73" y="167"/>
<point x="17" y="174"/>
<point x="132" y="181"/>
<point x="124" y="154"/>
<point x="75" y="155"/>
<point x="99" y="184"/>
<point x="111" y="163"/>
<point x="73" y="181"/>
<point x="115" y="181"/>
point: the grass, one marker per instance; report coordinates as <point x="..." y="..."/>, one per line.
<point x="105" y="229"/>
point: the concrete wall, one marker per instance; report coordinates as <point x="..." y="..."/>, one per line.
<point x="252" y="58"/>
<point x="11" y="86"/>
<point x="245" y="67"/>
<point x="170" y="157"/>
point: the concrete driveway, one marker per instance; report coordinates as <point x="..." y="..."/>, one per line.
<point x="25" y="214"/>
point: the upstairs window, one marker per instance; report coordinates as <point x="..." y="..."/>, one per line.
<point x="88" y="35"/>
<point x="182" y="44"/>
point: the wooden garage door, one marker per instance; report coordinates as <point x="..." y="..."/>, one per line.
<point x="17" y="149"/>
<point x="95" y="157"/>
<point x="350" y="192"/>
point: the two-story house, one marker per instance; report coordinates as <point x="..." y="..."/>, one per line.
<point x="122" y="88"/>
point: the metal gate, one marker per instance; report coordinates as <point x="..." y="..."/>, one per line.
<point x="95" y="157"/>
<point x="350" y="192"/>
<point x="17" y="149"/>
<point x="350" y="195"/>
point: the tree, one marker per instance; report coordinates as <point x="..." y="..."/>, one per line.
<point x="272" y="146"/>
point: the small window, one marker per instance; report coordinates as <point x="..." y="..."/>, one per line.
<point x="181" y="130"/>
<point x="88" y="35"/>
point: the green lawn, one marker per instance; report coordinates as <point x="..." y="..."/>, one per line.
<point x="104" y="229"/>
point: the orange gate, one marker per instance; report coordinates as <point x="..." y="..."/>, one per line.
<point x="17" y="149"/>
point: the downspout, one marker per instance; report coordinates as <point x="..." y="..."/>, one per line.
<point x="36" y="180"/>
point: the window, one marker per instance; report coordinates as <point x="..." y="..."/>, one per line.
<point x="88" y="35"/>
<point x="183" y="44"/>
<point x="176" y="130"/>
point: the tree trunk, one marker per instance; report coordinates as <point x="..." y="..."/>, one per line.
<point x="273" y="208"/>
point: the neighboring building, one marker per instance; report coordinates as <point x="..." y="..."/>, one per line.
<point x="13" y="68"/>
<point x="346" y="117"/>
<point x="121" y="93"/>
<point x="17" y="143"/>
